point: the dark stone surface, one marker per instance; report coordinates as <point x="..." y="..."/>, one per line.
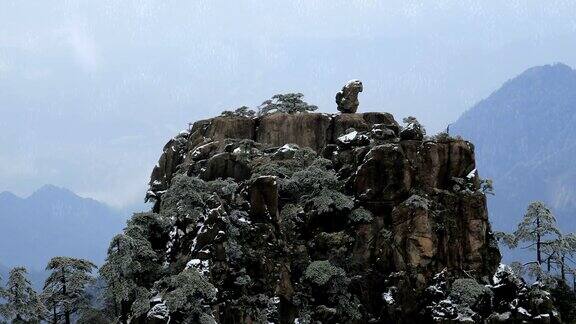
<point x="419" y="224"/>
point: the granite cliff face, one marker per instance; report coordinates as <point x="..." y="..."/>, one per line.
<point x="317" y="217"/>
<point x="206" y="137"/>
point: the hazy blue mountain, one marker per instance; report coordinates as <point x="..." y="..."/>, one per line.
<point x="54" y="221"/>
<point x="526" y="142"/>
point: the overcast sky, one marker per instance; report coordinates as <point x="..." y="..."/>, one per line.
<point x="91" y="90"/>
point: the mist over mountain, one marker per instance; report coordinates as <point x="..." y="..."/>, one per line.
<point x="526" y="142"/>
<point x="141" y="70"/>
<point x="54" y="222"/>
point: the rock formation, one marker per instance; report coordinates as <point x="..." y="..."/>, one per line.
<point x="328" y="218"/>
<point x="347" y="98"/>
<point x="317" y="218"/>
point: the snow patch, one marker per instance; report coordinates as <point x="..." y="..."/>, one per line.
<point x="159" y="311"/>
<point x="288" y="148"/>
<point x="352" y="82"/>
<point x="387" y="297"/>
<point x="203" y="266"/>
<point x="348" y="137"/>
<point x="244" y="220"/>
<point x="524" y="312"/>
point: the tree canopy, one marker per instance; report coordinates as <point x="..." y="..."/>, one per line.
<point x="133" y="263"/>
<point x="22" y="302"/>
<point x="243" y="111"/>
<point x="289" y="103"/>
<point x="554" y="251"/>
<point x="65" y="287"/>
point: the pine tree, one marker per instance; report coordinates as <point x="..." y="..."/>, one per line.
<point x="557" y="251"/>
<point x="51" y="301"/>
<point x="240" y="112"/>
<point x="2" y="296"/>
<point x="22" y="303"/>
<point x="187" y="296"/>
<point x="573" y="273"/>
<point x="93" y="316"/>
<point x="538" y="227"/>
<point x="65" y="288"/>
<point x="128" y="260"/>
<point x="134" y="263"/>
<point x="565" y="301"/>
<point x="289" y="103"/>
<point x="561" y="253"/>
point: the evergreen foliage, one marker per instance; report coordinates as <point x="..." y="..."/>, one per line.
<point x="65" y="288"/>
<point x="308" y="180"/>
<point x="334" y="282"/>
<point x="561" y="253"/>
<point x="320" y="272"/>
<point x="565" y="300"/>
<point x="538" y="229"/>
<point x="470" y="292"/>
<point x="312" y="179"/>
<point x="22" y="304"/>
<point x="186" y="199"/>
<point x="302" y="261"/>
<point x="327" y="200"/>
<point x="190" y="198"/>
<point x="289" y="103"/>
<point x="130" y="261"/>
<point x="187" y="295"/>
<point x="93" y="316"/>
<point x="554" y="255"/>
<point x="133" y="270"/>
<point x="133" y="264"/>
<point x="360" y="215"/>
<point x="240" y="112"/>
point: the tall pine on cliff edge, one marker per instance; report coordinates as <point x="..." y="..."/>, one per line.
<point x="525" y="138"/>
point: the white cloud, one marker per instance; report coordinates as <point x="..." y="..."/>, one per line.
<point x="17" y="166"/>
<point x="161" y="64"/>
<point x="82" y="44"/>
<point x="130" y="190"/>
<point x="4" y="67"/>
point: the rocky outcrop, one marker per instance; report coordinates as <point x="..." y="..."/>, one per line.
<point x="327" y="217"/>
<point x="307" y="130"/>
<point x="347" y="98"/>
<point x="206" y="137"/>
<point x="363" y="122"/>
<point x="264" y="199"/>
<point x="173" y="154"/>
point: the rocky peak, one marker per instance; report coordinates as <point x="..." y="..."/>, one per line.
<point x="49" y="191"/>
<point x="313" y="130"/>
<point x="347" y="98"/>
<point x="342" y="201"/>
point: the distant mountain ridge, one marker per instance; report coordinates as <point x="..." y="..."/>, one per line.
<point x="525" y="141"/>
<point x="54" y="221"/>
